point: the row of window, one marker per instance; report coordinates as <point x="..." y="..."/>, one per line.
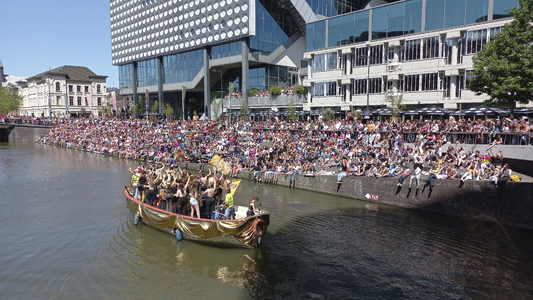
<point x="79" y="102"/>
<point x="324" y="62"/>
<point x="402" y="18"/>
<point x="407" y="83"/>
<point x="78" y="88"/>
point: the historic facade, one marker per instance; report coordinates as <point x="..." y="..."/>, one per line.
<point x="65" y="90"/>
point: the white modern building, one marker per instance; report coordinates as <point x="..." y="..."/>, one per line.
<point x="67" y="90"/>
<point x="419" y="49"/>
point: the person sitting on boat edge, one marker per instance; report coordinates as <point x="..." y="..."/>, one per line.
<point x="228" y="214"/>
<point x="251" y="207"/>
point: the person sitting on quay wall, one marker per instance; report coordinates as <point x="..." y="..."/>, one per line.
<point x="308" y="147"/>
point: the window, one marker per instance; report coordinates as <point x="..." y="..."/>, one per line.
<point x="431" y="47"/>
<point x="395" y="26"/>
<point x="360" y="57"/>
<point x="455" y="13"/>
<point x="379" y="23"/>
<point x="347" y="29"/>
<point x="70" y="88"/>
<point x="411" y="50"/>
<point x="334" y="32"/>
<point x="375" y="85"/>
<point x="99" y="101"/>
<point x="71" y="101"/>
<point x="411" y="83"/>
<point x="57" y="99"/>
<point x="469" y="74"/>
<point x="413" y="16"/>
<point x="376" y="55"/>
<point x="434" y="14"/>
<point x="359" y="86"/>
<point x="502" y="8"/>
<point x="309" y="37"/>
<point x="430" y="81"/>
<point x="361" y="26"/>
<point x="58" y="87"/>
<point x="86" y="89"/>
<point x="477" y="11"/>
<point x="324" y="62"/>
<point x="86" y="101"/>
<point x="78" y="88"/>
<point x="322" y="89"/>
<point x="319" y="35"/>
<point x="98" y="89"/>
<point x="475" y="40"/>
<point x="79" y="101"/>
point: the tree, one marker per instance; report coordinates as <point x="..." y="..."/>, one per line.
<point x="168" y="110"/>
<point x="253" y="92"/>
<point x="155" y="108"/>
<point x="134" y="109"/>
<point x="244" y="111"/>
<point x="503" y="68"/>
<point x="395" y="102"/>
<point x="329" y="114"/>
<point x="9" y="99"/>
<point x="292" y="110"/>
<point x="275" y="91"/>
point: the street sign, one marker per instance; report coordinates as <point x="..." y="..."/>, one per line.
<point x="367" y="113"/>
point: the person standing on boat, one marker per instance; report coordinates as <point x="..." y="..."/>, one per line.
<point x="228" y="214"/>
<point x="210" y="200"/>
<point x="182" y="199"/>
<point x="251" y="207"/>
<point x="135" y="183"/>
<point x="195" y="205"/>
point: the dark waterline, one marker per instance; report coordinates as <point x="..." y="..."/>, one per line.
<point x="66" y="233"/>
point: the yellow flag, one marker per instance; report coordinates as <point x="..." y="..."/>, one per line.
<point x="234" y="184"/>
<point x="221" y="166"/>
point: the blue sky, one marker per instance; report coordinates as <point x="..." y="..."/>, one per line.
<point x="36" y="35"/>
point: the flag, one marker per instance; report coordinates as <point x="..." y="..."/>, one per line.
<point x="234" y="185"/>
<point x="66" y="102"/>
<point x="147" y="96"/>
<point x="89" y="100"/>
<point x="114" y="100"/>
<point x="183" y="101"/>
<point x="221" y="166"/>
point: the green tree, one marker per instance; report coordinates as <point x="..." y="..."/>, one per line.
<point x="395" y="102"/>
<point x="503" y="68"/>
<point x="168" y="110"/>
<point x="300" y="89"/>
<point x="244" y="111"/>
<point x="328" y="114"/>
<point x="9" y="99"/>
<point x="292" y="110"/>
<point x="155" y="108"/>
<point x="134" y="109"/>
<point x="275" y="90"/>
<point x="253" y="92"/>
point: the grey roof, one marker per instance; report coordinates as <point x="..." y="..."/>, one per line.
<point x="70" y="72"/>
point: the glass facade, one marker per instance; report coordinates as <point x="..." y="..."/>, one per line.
<point x="324" y="62"/>
<point x="226" y="50"/>
<point x="125" y="77"/>
<point x="274" y="26"/>
<point x="182" y="67"/>
<point x="455" y="13"/>
<point x="434" y="14"/>
<point x="147" y="72"/>
<point x="401" y="18"/>
<point x="502" y="8"/>
<point x="331" y="8"/>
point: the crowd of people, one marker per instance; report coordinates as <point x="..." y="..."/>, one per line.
<point x="316" y="147"/>
<point x="261" y="93"/>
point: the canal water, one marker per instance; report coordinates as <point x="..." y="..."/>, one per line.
<point x="66" y="234"/>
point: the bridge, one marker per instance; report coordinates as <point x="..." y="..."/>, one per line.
<point x="21" y="133"/>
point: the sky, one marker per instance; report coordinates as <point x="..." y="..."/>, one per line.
<point x="38" y="35"/>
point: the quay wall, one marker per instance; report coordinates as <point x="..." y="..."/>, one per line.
<point x="22" y="133"/>
<point x="474" y="200"/>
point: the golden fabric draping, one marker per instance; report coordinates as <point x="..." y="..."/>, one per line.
<point x="241" y="229"/>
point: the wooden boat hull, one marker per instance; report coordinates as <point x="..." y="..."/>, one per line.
<point x="241" y="232"/>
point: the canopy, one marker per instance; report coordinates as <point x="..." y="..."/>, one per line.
<point x="428" y="111"/>
<point x="484" y="110"/>
<point x="386" y="111"/>
<point x="524" y="111"/>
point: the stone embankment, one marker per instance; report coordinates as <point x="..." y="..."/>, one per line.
<point x="473" y="200"/>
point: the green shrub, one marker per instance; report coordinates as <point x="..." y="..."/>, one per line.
<point x="253" y="92"/>
<point x="275" y="91"/>
<point x="329" y="114"/>
<point x="300" y="89"/>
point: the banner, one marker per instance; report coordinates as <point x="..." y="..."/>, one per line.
<point x="221" y="166"/>
<point x="114" y="100"/>
<point x="66" y="103"/>
<point x="183" y="101"/>
<point x="147" y="97"/>
<point x="234" y="185"/>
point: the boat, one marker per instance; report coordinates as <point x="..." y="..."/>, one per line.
<point x="243" y="231"/>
